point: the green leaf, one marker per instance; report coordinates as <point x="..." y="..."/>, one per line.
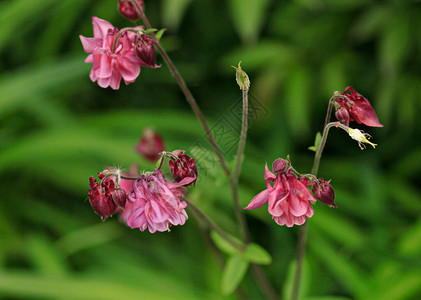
<point x="256" y="254"/>
<point x="173" y="12"/>
<point x="223" y="245"/>
<point x="410" y="242"/>
<point x="160" y="33"/>
<point x="233" y="273"/>
<point x="248" y="17"/>
<point x="316" y="142"/>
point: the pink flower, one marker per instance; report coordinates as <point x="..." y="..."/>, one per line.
<point x="155" y="203"/>
<point x="289" y="199"/>
<point x="150" y="145"/>
<point x="109" y="65"/>
<point x="358" y="107"/>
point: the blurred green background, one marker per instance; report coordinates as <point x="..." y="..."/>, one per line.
<point x="57" y="128"/>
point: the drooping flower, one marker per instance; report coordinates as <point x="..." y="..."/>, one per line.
<point x="156" y="204"/>
<point x="127" y="9"/>
<point x="183" y="167"/>
<point x="101" y="196"/>
<point x="324" y="192"/>
<point x="150" y="145"/>
<point x="358" y="107"/>
<point x="288" y="199"/>
<point x="111" y="60"/>
<point x="145" y="51"/>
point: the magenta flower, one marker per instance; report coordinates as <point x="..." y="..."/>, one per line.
<point x="145" y="51"/>
<point x="289" y="199"/>
<point x="109" y="65"/>
<point x="150" y="145"/>
<point x="324" y="192"/>
<point x="184" y="167"/>
<point x="358" y="107"/>
<point x="101" y="196"/>
<point x="156" y="204"/>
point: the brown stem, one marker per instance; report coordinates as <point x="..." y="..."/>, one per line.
<point x="189" y="97"/>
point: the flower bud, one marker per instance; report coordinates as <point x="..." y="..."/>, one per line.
<point x="128" y="10"/>
<point x="100" y="196"/>
<point x="150" y="145"/>
<point x="119" y="197"/>
<point x="183" y="167"/>
<point x="342" y="115"/>
<point x="145" y="51"/>
<point x="242" y="78"/>
<point x="324" y="192"/>
<point x="279" y="165"/>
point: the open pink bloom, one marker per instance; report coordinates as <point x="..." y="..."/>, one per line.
<point x="155" y="203"/>
<point x="109" y="65"/>
<point x="289" y="199"/>
<point x="358" y="107"/>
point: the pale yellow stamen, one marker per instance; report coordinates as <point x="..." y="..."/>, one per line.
<point x="360" y="137"/>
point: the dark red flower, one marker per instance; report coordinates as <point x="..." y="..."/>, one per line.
<point x="358" y="107"/>
<point x="150" y="145"/>
<point x="145" y="51"/>
<point x="128" y="10"/>
<point x="120" y="197"/>
<point x="183" y="167"/>
<point x="324" y="192"/>
<point x="100" y="196"/>
<point x="342" y="115"/>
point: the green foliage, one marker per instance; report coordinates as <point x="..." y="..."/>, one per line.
<point x="58" y="129"/>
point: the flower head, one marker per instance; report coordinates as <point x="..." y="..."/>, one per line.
<point x="324" y="192"/>
<point x="358" y="107"/>
<point x="128" y="10"/>
<point x="101" y="196"/>
<point x="361" y="138"/>
<point x="150" y="145"/>
<point x="155" y="204"/>
<point x="288" y="199"/>
<point x="183" y="167"/>
<point x="111" y="59"/>
<point x="145" y="51"/>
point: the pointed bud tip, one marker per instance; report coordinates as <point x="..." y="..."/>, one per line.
<point x="242" y="78"/>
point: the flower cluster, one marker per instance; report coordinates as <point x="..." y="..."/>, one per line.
<point x="148" y="201"/>
<point x="289" y="200"/>
<point x="117" y="54"/>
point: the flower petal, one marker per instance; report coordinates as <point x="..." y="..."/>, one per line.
<point x="90" y="44"/>
<point x="259" y="200"/>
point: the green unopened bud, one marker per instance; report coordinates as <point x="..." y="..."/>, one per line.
<point x="242" y="78"/>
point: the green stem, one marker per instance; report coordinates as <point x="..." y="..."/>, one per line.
<point x="302" y="238"/>
<point x="237" y="169"/>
